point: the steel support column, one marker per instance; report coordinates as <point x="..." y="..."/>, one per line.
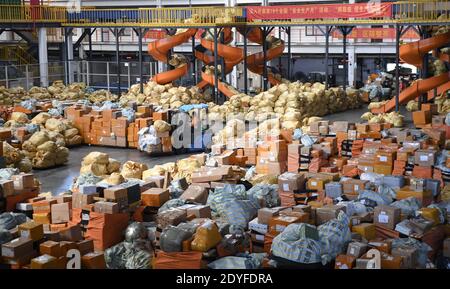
<point x="222" y="66"/>
<point x="265" y="76"/>
<point x="245" y="61"/>
<point x="141" y="82"/>
<point x="116" y="34"/>
<point x="398" y="31"/>
<point x="194" y="60"/>
<point x="90" y="44"/>
<point x="216" y="62"/>
<point x="345" y="32"/>
<point x="327" y="52"/>
<point x="288" y="30"/>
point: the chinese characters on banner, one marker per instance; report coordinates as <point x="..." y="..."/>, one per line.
<point x="376" y="33"/>
<point x="155" y="34"/>
<point x="359" y="10"/>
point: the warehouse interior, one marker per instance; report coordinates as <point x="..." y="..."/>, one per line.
<point x="234" y="134"/>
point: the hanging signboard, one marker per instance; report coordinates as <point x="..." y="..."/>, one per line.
<point x="358" y="10"/>
<point x="376" y="33"/>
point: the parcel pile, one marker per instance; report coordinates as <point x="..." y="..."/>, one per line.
<point x="119" y="127"/>
<point x="290" y="102"/>
<point x="12" y="96"/>
<point x="39" y="143"/>
<point x="167" y="96"/>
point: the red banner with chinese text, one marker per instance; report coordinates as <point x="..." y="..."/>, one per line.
<point x="358" y="10"/>
<point x="376" y="33"/>
<point x="155" y="34"/>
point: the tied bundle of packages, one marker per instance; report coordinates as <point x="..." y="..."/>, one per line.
<point x="39" y="93"/>
<point x="17" y="119"/>
<point x="291" y="102"/>
<point x="133" y="170"/>
<point x="443" y="104"/>
<point x="16" y="158"/>
<point x="392" y="117"/>
<point x="62" y="129"/>
<point x="160" y="170"/>
<point x="102" y="95"/>
<point x="12" y="95"/>
<point x="185" y="168"/>
<point x="46" y="149"/>
<point x="412" y="105"/>
<point x="73" y="91"/>
<point x="99" y="164"/>
<point x="166" y="96"/>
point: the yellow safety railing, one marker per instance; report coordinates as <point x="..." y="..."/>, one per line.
<point x="403" y="12"/>
<point x="28" y="13"/>
<point x="197" y="16"/>
<point x="421" y="10"/>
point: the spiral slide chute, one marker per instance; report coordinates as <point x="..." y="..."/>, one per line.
<point x="255" y="62"/>
<point x="159" y="49"/>
<point x="413" y="53"/>
<point x="231" y="55"/>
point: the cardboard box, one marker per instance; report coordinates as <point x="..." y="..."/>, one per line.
<point x="199" y="211"/>
<point x="278" y="224"/>
<point x="31" y="230"/>
<point x="155" y="197"/>
<point x="425" y="197"/>
<point x="23" y="181"/>
<point x="446" y="251"/>
<point x="353" y="186"/>
<point x="17" y="248"/>
<point x="43" y="206"/>
<point x="316" y="184"/>
<point x="44" y="262"/>
<point x="196" y="194"/>
<point x="356" y="249"/>
<point x="80" y="200"/>
<point x="158" y="180"/>
<point x="366" y="230"/>
<point x="344" y="262"/>
<point x="51" y="248"/>
<point x="72" y="234"/>
<point x="61" y="213"/>
<point x="7" y="188"/>
<point x="118" y="195"/>
<point x="409" y="256"/>
<point x="93" y="260"/>
<point x="267" y="214"/>
<point x="425" y="158"/>
<point x="387" y="216"/>
<point x="106" y="207"/>
<point x="291" y="182"/>
<point x="421" y="117"/>
<point x="85" y="246"/>
<point x="42" y="218"/>
<point x="326" y="213"/>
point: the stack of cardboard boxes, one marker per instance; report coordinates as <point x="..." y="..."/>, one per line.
<point x="110" y="128"/>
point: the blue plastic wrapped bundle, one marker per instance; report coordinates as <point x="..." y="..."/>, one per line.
<point x="381" y="198"/>
<point x="32" y="128"/>
<point x="298" y="243"/>
<point x="334" y="236"/>
<point x="129" y="113"/>
<point x="264" y="194"/>
<point x="231" y="203"/>
<point x="408" y="206"/>
<point x="240" y="261"/>
<point x="188" y="107"/>
<point x="29" y="104"/>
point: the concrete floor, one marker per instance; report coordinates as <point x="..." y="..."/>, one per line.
<point x="60" y="179"/>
